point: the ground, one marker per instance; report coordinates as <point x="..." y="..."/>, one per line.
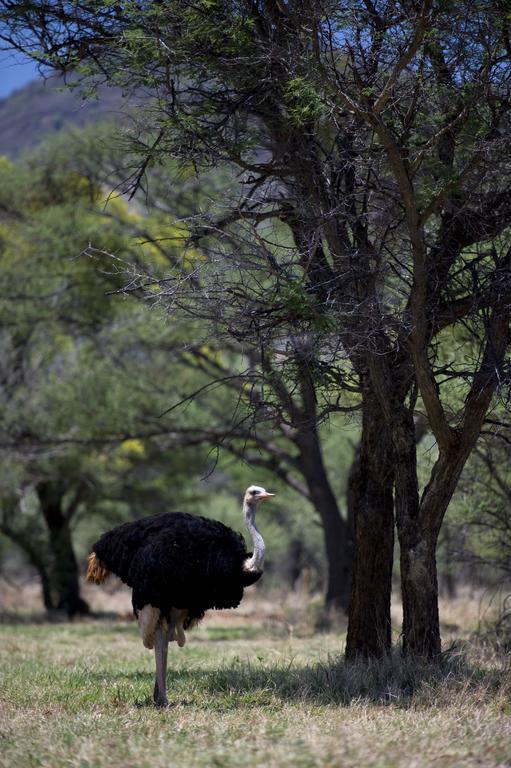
<point x="258" y="688"/>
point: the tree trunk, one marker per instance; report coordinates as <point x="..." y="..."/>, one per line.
<point x="37" y="557"/>
<point x="46" y="588"/>
<point x="417" y="542"/>
<point x="337" y="535"/>
<point x="336" y="531"/>
<point x="65" y="584"/>
<point x="418" y="534"/>
<point x="419" y="588"/>
<point x="370" y="492"/>
<point x="418" y="524"/>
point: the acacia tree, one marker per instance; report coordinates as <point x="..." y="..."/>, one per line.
<point x="377" y="133"/>
<point x="266" y="416"/>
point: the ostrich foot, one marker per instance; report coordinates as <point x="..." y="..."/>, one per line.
<point x="160" y="700"/>
<point x="160" y="652"/>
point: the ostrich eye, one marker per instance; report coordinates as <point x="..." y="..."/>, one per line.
<point x="254" y="493"/>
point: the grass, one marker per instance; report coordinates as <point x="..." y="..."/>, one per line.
<point x="243" y="694"/>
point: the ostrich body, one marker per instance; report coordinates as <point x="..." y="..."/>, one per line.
<point x="179" y="566"/>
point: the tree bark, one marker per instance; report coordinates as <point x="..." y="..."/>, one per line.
<point x="419" y="584"/>
<point x="419" y="589"/>
<point x="371" y="494"/>
<point x="65" y="583"/>
<point x="418" y="534"/>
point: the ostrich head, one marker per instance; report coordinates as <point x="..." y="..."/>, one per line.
<point x="253" y="496"/>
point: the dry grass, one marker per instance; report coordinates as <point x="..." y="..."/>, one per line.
<point x="257" y="687"/>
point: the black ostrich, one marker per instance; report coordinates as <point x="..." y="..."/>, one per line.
<point x="179" y="566"/>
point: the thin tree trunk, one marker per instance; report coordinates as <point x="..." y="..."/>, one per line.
<point x="46" y="589"/>
<point x="37" y="558"/>
<point x="418" y="534"/>
<point x="65" y="584"/>
<point x="336" y="531"/>
<point x="337" y="535"/>
<point x="419" y="585"/>
<point x="418" y="526"/>
<point x="371" y="496"/>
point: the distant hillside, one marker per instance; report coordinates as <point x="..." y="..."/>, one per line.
<point x="43" y="107"/>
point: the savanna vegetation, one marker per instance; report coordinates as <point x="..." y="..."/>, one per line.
<point x="248" y="691"/>
<point x="290" y="264"/>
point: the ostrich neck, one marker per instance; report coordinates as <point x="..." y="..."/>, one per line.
<point x="255" y="563"/>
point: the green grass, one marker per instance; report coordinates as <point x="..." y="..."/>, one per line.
<point x="79" y="695"/>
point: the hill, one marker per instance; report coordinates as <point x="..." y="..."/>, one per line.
<point x="46" y="106"/>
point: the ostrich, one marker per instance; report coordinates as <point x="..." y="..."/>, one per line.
<point x="178" y="566"/>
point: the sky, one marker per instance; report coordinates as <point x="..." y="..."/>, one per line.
<point x="15" y="71"/>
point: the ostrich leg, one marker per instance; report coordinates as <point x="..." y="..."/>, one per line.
<point x="161" y="645"/>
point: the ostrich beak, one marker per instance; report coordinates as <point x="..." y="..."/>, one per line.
<point x="266" y="495"/>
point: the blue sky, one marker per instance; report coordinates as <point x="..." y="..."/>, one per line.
<point x="15" y="71"/>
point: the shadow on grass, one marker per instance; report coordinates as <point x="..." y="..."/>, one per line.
<point x="394" y="681"/>
<point x="468" y="669"/>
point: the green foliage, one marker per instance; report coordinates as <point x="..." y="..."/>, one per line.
<point x="303" y="101"/>
<point x="297" y="305"/>
<point x="81" y="368"/>
<point x="98" y="369"/>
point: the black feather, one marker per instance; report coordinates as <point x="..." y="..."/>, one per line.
<point x="178" y="560"/>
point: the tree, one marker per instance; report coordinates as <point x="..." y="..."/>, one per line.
<point x="71" y="365"/>
<point x="279" y="431"/>
<point x="86" y="378"/>
<point x="377" y="134"/>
